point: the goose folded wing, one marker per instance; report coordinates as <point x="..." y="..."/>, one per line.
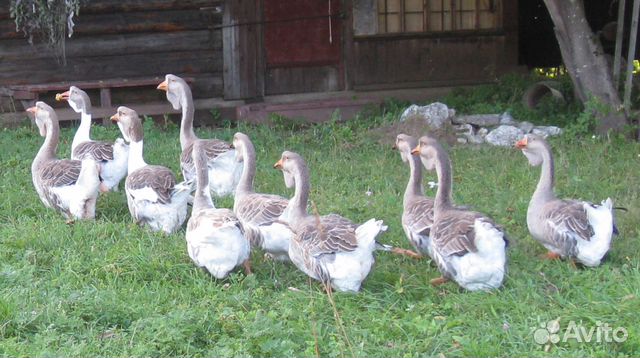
<point x="262" y="209"/>
<point x="565" y="223"/>
<point x="212" y="148"/>
<point x="420" y="216"/>
<point x="153" y="183"/>
<point x="98" y="151"/>
<point x="329" y="236"/>
<point x="60" y="173"/>
<point x="455" y="234"/>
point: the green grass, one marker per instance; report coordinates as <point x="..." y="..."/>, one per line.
<point x="109" y="288"/>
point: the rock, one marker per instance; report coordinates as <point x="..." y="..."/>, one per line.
<point x="545" y="131"/>
<point x="526" y="127"/>
<point x="482" y="132"/>
<point x="469" y="134"/>
<point x="506" y="118"/>
<point x="435" y="114"/>
<point x="504" y="135"/>
<point x="481" y="120"/>
<point x="462" y="140"/>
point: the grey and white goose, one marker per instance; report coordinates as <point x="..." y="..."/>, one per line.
<point x="575" y="229"/>
<point x="224" y="170"/>
<point x="262" y="215"/>
<point x="112" y="157"/>
<point x="215" y="238"/>
<point x="68" y="186"/>
<point x="467" y="246"/>
<point x="330" y="248"/>
<point x="417" y="214"/>
<point x="153" y="195"/>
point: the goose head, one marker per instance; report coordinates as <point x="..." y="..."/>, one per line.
<point x="240" y="143"/>
<point x="291" y="164"/>
<point x="427" y="149"/>
<point x="533" y="147"/>
<point x="176" y="89"/>
<point x="78" y="99"/>
<point x="44" y="116"/>
<point x="404" y="144"/>
<point x="129" y="123"/>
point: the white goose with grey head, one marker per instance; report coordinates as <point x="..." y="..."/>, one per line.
<point x="112" y="157"/>
<point x="224" y="170"/>
<point x="215" y="238"/>
<point x="417" y="215"/>
<point x="467" y="246"/>
<point x="568" y="228"/>
<point x="330" y="248"/>
<point x="68" y="186"/>
<point x="153" y="195"/>
<point x="262" y="215"/>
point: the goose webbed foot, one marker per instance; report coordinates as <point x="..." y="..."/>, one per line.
<point x="405" y="252"/>
<point x="247" y="267"/>
<point x="438" y="281"/>
<point x="551" y="256"/>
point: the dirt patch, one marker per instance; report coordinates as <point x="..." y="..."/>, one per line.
<point x="386" y="135"/>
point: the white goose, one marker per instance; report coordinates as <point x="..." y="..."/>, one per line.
<point x="263" y="216"/>
<point x="153" y="196"/>
<point x="417" y="216"/>
<point x="215" y="239"/>
<point x="467" y="246"/>
<point x="112" y="157"/>
<point x="68" y="186"/>
<point x="224" y="170"/>
<point x="575" y="229"/>
<point x="330" y="248"/>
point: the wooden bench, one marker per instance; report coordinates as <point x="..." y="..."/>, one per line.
<point x="29" y="94"/>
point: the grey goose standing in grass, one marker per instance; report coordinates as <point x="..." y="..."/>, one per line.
<point x="224" y="170"/>
<point x="330" y="248"/>
<point x="467" y="246"/>
<point x="112" y="157"/>
<point x="215" y="238"/>
<point x="153" y="196"/>
<point x="68" y="186"/>
<point x="417" y="214"/>
<point x="574" y="229"/>
<point x="262" y="215"/>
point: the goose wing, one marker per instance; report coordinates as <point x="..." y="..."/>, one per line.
<point x="454" y="234"/>
<point x="212" y="147"/>
<point x="418" y="216"/>
<point x="329" y="234"/>
<point x="98" y="151"/>
<point x="152" y="182"/>
<point x="565" y="222"/>
<point x="59" y="173"/>
<point x="261" y="209"/>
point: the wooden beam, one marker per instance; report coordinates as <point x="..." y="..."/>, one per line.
<point x="631" y="55"/>
<point x="618" y="50"/>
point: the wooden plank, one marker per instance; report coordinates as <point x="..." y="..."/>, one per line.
<point x="106" y="6"/>
<point x="147" y="43"/>
<point x="239" y="49"/>
<point x="302" y="79"/>
<point x="123" y="65"/>
<point x="105" y="101"/>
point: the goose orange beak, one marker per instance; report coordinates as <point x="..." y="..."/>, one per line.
<point x="416" y="150"/>
<point x="522" y="143"/>
<point x="163" y="86"/>
<point x="115" y="118"/>
<point x="33" y="110"/>
<point x="278" y="164"/>
<point x="64" y="96"/>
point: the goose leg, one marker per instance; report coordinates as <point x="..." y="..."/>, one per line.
<point x="551" y="256"/>
<point x="247" y="267"/>
<point x="438" y="281"/>
<point x="405" y="252"/>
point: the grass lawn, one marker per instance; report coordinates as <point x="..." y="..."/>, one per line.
<point x="109" y="288"/>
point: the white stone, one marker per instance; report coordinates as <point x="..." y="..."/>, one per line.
<point x="480" y="120"/>
<point x="505" y="136"/>
<point x="506" y="118"/>
<point x="435" y="114"/>
<point x="545" y="131"/>
<point x="527" y="127"/>
<point x="469" y="133"/>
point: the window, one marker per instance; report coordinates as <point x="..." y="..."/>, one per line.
<point x="437" y="15"/>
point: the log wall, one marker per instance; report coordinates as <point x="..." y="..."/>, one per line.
<point x="128" y="39"/>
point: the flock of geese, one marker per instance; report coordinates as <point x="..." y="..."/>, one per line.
<point x="468" y="247"/>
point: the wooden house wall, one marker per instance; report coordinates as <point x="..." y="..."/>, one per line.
<point x="124" y="39"/>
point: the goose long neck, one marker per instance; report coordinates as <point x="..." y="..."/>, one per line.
<point x="136" y="159"/>
<point x="414" y="186"/>
<point x="48" y="149"/>
<point x="245" y="185"/>
<point x="300" y="198"/>
<point x="187" y="135"/>
<point x="443" y="195"/>
<point x="544" y="189"/>
<point x="83" y="132"/>
<point x="202" y="199"/>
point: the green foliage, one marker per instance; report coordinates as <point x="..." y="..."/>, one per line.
<point x="49" y="20"/>
<point x="586" y="121"/>
<point x="109" y="288"/>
